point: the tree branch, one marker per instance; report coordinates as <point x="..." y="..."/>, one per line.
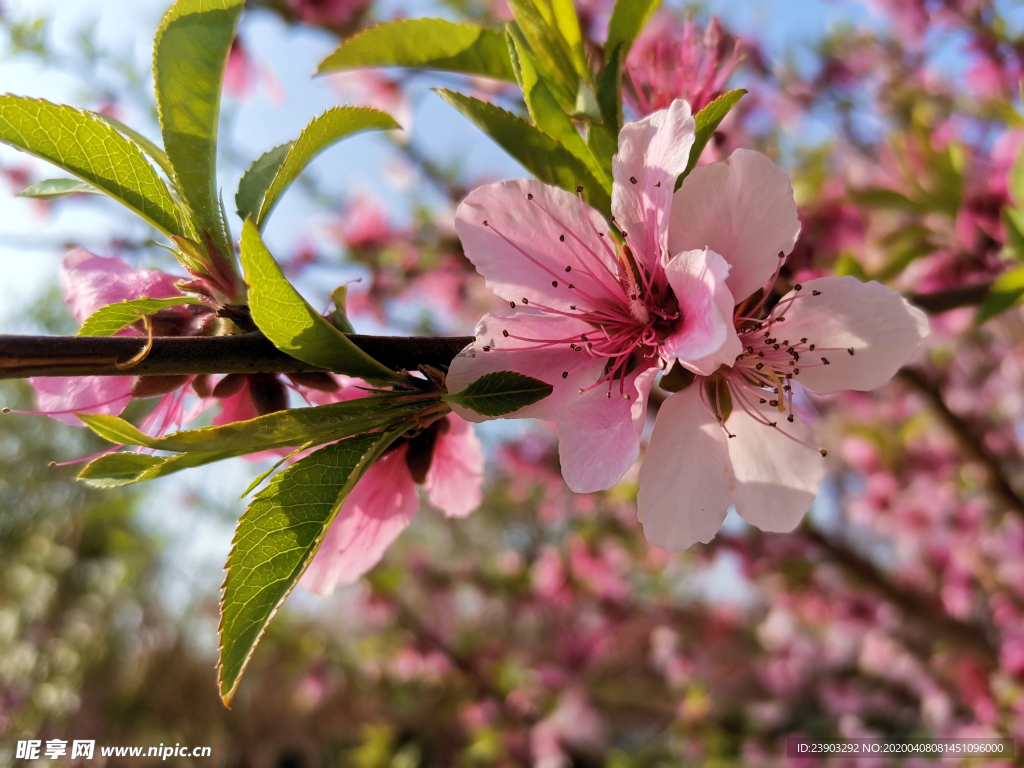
<point x="937" y="302"/>
<point x="24" y="356"/>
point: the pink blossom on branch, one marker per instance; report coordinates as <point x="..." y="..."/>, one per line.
<point x="600" y="319"/>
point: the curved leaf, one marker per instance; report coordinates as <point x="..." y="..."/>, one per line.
<point x="156" y="154"/>
<point x="425" y="44"/>
<point x="707" y="121"/>
<point x="629" y="17"/>
<point x="500" y="392"/>
<point x="50" y="189"/>
<point x="108" y="320"/>
<point x="190" y="53"/>
<point x="540" y="154"/>
<point x="257" y="179"/>
<point x="291" y="324"/>
<point x="333" y="125"/>
<point x="277" y="538"/>
<point x="551" y="51"/>
<point x="92" y="150"/>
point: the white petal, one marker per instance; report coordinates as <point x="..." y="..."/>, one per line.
<point x="652" y="154"/>
<point x="881" y="327"/>
<point x="686" y="481"/>
<point x="528" y="242"/>
<point x="743" y="209"/>
<point x="776" y="478"/>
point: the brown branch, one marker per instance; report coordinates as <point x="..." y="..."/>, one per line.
<point x="24" y="356"/>
<point x="916" y="607"/>
<point x="937" y="302"/>
<point x="970" y="442"/>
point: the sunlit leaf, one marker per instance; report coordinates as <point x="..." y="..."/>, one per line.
<point x="50" y="189"/>
<point x="291" y="324"/>
<point x="190" y="53"/>
<point x="332" y="126"/>
<point x="92" y="150"/>
<point x="500" y="392"/>
<point x="541" y="155"/>
<point x="277" y="538"/>
<point x="255" y="182"/>
<point x="1006" y="292"/>
<point x="108" y="320"/>
<point x="156" y="154"/>
<point x="425" y="44"/>
<point x="629" y="17"/>
<point x="551" y="50"/>
<point x="707" y="121"/>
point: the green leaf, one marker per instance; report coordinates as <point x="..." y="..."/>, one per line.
<point x="256" y="181"/>
<point x="1015" y="178"/>
<point x="603" y="137"/>
<point x="568" y="24"/>
<point x="629" y="17"/>
<point x="1006" y="292"/>
<point x="333" y="125"/>
<point x="500" y="392"/>
<point x="1013" y="226"/>
<point x="49" y="189"/>
<point x="879" y="197"/>
<point x="545" y="110"/>
<point x="156" y="154"/>
<point x="425" y="44"/>
<point x="114" y="470"/>
<point x="287" y="428"/>
<point x="190" y="53"/>
<point x="541" y="155"/>
<point x="108" y="320"/>
<point x="291" y="324"/>
<point x="551" y="50"/>
<point x="277" y="538"/>
<point x="92" y="150"/>
<point x="707" y="121"/>
<point x="847" y="264"/>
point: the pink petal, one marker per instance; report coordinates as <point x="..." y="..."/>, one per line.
<point x="379" y="508"/>
<point x="61" y="397"/>
<point x="599" y="436"/>
<point x="686" y="481"/>
<point x="776" y="478"/>
<point x="881" y="327"/>
<point x="742" y="208"/>
<point x="707" y="338"/>
<point x="456" y="473"/>
<point x="91" y="282"/>
<point x="652" y="154"/>
<point x="238" y="407"/>
<point x="511" y="354"/>
<point x="527" y="244"/>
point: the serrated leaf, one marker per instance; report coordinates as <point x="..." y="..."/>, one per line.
<point x="282" y="429"/>
<point x="424" y="44"/>
<point x="190" y="53"/>
<point x="629" y="17"/>
<point x="108" y="320"/>
<point x="603" y="137"/>
<point x="332" y="126"/>
<point x="541" y="155"/>
<point x="500" y="392"/>
<point x="1006" y="292"/>
<point x="707" y="121"/>
<point x="91" y="150"/>
<point x="291" y="324"/>
<point x="255" y="182"/>
<point x="545" y="110"/>
<point x="551" y="51"/>
<point x="277" y="538"/>
<point x="156" y="154"/>
<point x="50" y="189"/>
<point x="568" y="24"/>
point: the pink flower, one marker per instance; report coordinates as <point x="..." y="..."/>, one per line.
<point x="329" y="13"/>
<point x="599" y="321"/>
<point x="446" y="459"/>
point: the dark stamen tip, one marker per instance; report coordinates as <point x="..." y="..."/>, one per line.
<point x="487" y="349"/>
<point x="571" y="285"/>
<point x="632" y="179"/>
<point x="568" y="269"/>
<point x="565" y="374"/>
<point x="782" y="255"/>
<point x="850" y="350"/>
<point x="798" y="287"/>
<point x="529" y="196"/>
<point x="505" y="334"/>
<point x="790" y="418"/>
<point x="561" y="238"/>
<point x="823" y="452"/>
<point x="485" y="223"/>
<point x="816" y="293"/>
<point x="825" y="361"/>
<point x="803" y="341"/>
<point x="554" y="283"/>
<point x="579" y="190"/>
<point x="6" y="410"/>
<point x="525" y="300"/>
<point x="658" y="184"/>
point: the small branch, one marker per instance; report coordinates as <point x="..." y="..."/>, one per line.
<point x="916" y="607"/>
<point x="970" y="441"/>
<point x="937" y="302"/>
<point x="24" y="356"/>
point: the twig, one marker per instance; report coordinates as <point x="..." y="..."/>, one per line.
<point x="937" y="302"/>
<point x="25" y="356"/>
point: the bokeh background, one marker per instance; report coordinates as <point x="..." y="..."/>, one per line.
<point x="544" y="630"/>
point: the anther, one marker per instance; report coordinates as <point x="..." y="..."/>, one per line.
<point x="773" y="403"/>
<point x="825" y="361"/>
<point x="811" y="348"/>
<point x="760" y="354"/>
<point x="850" y="350"/>
<point x="803" y="341"/>
<point x="775" y="347"/>
<point x="505" y="334"/>
<point x="512" y="304"/>
<point x="581" y="390"/>
<point x="823" y="452"/>
<point x="785" y="343"/>
<point x="525" y="301"/>
<point x="763" y="401"/>
<point x="487" y="349"/>
<point x="782" y="255"/>
<point x="6" y="410"/>
<point x="485" y="223"/>
<point x="565" y="374"/>
<point x="561" y="238"/>
<point x="773" y="424"/>
<point x="790" y="418"/>
<point x="816" y="293"/>
<point x="759" y="366"/>
<point x="572" y="306"/>
<point x="583" y="337"/>
<point x="632" y="179"/>
<point x="798" y="287"/>
<point x="625" y="396"/>
<point x="554" y="283"/>
<point x="780" y="319"/>
<point x="571" y="285"/>
<point x="579" y="190"/>
<point x="750" y="350"/>
<point x="658" y="184"/>
<point x="529" y="196"/>
<point x="568" y="269"/>
<point x="796" y="371"/>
